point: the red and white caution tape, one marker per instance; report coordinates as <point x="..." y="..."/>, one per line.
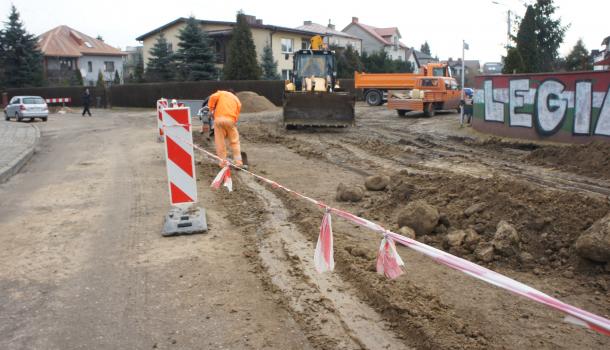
<point x="575" y="315"/>
<point x="223" y="178"/>
<point x="389" y="263"/>
<point x="323" y="257"/>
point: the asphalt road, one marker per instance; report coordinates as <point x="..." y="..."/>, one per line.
<point x="83" y="265"/>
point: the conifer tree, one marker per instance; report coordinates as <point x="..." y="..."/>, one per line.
<point x="138" y="72"/>
<point x="77" y="79"/>
<point x="348" y="62"/>
<point x="20" y="58"/>
<point x="194" y="59"/>
<point x="425" y="48"/>
<point x="159" y="67"/>
<point x="513" y="63"/>
<point x="269" y="65"/>
<point x="527" y="44"/>
<point x="117" y="78"/>
<point x="101" y="83"/>
<point x="578" y="58"/>
<point x="241" y="61"/>
<point x="549" y="34"/>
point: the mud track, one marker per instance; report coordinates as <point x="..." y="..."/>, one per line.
<point x="430" y="307"/>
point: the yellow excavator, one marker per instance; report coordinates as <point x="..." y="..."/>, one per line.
<point x="312" y="96"/>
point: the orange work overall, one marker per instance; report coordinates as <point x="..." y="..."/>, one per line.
<point x="226" y="108"/>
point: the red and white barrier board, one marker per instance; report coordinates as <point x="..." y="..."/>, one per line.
<point x="179" y="155"/>
<point x="59" y="100"/>
<point x="162" y="103"/>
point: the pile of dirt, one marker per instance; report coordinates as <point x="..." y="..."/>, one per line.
<point x="592" y="159"/>
<point x="544" y="224"/>
<point x="251" y="102"/>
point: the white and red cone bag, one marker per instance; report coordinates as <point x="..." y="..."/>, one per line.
<point x="323" y="256"/>
<point x="223" y="178"/>
<point x="389" y="263"/>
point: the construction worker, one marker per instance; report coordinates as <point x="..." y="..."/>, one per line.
<point x="224" y="109"/>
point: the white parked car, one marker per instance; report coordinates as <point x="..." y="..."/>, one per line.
<point x="22" y="107"/>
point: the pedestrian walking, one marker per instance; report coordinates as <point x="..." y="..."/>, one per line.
<point x="224" y="109"/>
<point x="86" y="102"/>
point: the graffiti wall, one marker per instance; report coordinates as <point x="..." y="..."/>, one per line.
<point x="565" y="107"/>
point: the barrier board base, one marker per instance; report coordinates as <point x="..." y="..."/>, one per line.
<point x="179" y="221"/>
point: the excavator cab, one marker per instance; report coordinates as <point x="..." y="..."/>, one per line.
<point x="312" y="96"/>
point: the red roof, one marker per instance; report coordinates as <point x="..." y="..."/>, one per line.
<point x="384" y="35"/>
<point x="64" y="41"/>
<point x="604" y="62"/>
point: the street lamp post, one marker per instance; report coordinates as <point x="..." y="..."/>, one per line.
<point x="508" y="22"/>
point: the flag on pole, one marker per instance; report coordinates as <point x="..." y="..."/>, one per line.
<point x="466" y="47"/>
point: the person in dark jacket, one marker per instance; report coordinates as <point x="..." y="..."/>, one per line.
<point x="86" y="102"/>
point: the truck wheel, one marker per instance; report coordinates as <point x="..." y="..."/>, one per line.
<point x="401" y="112"/>
<point x="374" y="98"/>
<point x="429" y="110"/>
<point x="6" y="117"/>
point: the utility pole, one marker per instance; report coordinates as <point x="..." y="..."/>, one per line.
<point x="508" y="22"/>
<point x="462" y="101"/>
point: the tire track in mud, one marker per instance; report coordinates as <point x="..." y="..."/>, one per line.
<point x="321" y="304"/>
<point x="433" y="153"/>
<point x="341" y="309"/>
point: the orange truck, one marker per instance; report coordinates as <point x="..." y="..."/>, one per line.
<point x="375" y="86"/>
<point x="428" y="95"/>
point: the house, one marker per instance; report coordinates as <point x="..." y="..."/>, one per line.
<point x="472" y="67"/>
<point x="423" y="58"/>
<point x="601" y="58"/>
<point x="492" y="68"/>
<point x="283" y="41"/>
<point x="378" y="39"/>
<point x="130" y="62"/>
<point x="333" y="37"/>
<point x="66" y="50"/>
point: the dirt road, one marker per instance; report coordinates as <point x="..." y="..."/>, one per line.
<point x="82" y="264"/>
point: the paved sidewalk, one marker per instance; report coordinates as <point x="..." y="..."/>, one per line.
<point x="17" y="143"/>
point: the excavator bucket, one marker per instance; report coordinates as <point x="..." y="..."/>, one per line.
<point x="319" y="108"/>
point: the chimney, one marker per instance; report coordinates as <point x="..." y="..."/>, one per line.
<point x="306" y="23"/>
<point x="259" y="22"/>
<point x="354" y="19"/>
<point x="250" y="19"/>
<point x="330" y="25"/>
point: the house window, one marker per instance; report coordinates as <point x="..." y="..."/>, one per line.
<point x="65" y="64"/>
<point x="170" y="47"/>
<point x="286" y="45"/>
<point x="90" y="66"/>
<point x="109" y="66"/>
<point x="286" y="74"/>
<point x="304" y="43"/>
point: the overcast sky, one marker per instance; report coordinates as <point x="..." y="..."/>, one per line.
<point x="443" y="23"/>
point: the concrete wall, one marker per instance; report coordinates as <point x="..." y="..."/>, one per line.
<point x="341" y="41"/>
<point x="369" y="43"/>
<point x="564" y="107"/>
<point x="97" y="62"/>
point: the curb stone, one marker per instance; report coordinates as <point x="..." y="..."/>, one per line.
<point x="16" y="164"/>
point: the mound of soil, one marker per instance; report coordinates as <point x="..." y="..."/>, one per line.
<point x="592" y="159"/>
<point x="548" y="222"/>
<point x="251" y="102"/>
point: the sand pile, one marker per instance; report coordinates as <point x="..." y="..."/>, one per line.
<point x="251" y="102"/>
